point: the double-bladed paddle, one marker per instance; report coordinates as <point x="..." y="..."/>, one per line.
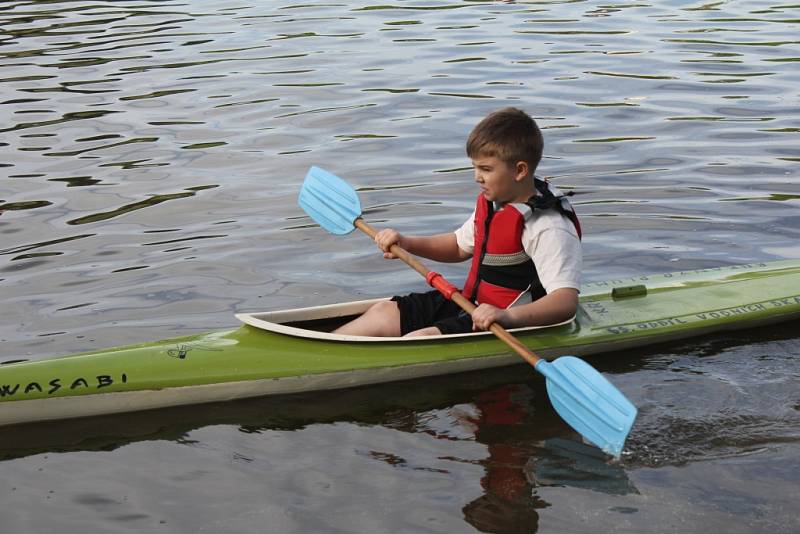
<point x="582" y="397"/>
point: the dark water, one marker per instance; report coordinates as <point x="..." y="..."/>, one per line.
<point x="151" y="154"/>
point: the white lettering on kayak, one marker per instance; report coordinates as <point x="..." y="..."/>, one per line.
<point x="739" y="312"/>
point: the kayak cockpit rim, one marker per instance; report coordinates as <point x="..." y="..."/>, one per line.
<point x="280" y="322"/>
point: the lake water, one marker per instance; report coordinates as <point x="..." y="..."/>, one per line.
<point x="151" y="156"/>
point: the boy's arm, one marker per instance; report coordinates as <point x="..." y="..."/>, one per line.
<point x="442" y="247"/>
<point x="555" y="307"/>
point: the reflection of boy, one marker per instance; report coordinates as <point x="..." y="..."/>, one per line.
<point x="510" y="502"/>
<point x="522" y="237"/>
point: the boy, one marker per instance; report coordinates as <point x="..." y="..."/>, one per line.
<point x="522" y="237"/>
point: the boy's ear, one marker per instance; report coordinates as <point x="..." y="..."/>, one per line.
<point x="521" y="170"/>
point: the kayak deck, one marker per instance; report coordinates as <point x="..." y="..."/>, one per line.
<point x="271" y="354"/>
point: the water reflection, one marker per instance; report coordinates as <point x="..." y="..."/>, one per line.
<point x="152" y="201"/>
<point x="562" y="463"/>
<point x="509" y="502"/>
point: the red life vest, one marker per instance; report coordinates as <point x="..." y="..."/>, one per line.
<point x="501" y="270"/>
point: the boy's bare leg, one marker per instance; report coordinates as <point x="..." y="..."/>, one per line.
<point x="428" y="331"/>
<point x="381" y="319"/>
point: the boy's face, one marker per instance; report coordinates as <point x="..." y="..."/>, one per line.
<point x="499" y="181"/>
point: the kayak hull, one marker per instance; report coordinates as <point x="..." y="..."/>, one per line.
<point x="273" y="354"/>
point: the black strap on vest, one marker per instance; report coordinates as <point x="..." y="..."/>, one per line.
<point x="547" y="200"/>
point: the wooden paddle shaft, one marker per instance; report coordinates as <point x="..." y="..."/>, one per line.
<point x="463" y="302"/>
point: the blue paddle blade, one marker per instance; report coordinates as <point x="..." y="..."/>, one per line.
<point x="330" y="201"/>
<point x="588" y="402"/>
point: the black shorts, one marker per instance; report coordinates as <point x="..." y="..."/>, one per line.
<point x="420" y="310"/>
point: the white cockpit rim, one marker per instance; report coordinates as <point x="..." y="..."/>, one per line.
<point x="276" y="321"/>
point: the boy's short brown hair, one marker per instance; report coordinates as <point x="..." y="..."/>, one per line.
<point x="508" y="134"/>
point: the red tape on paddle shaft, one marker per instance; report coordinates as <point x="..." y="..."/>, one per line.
<point x="440" y="283"/>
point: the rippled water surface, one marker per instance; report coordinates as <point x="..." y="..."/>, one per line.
<point x="151" y="155"/>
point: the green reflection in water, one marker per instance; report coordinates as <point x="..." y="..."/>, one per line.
<point x="350" y="137"/>
<point x="778" y="197"/>
<point x="152" y="201"/>
<point x="157" y="94"/>
<point x="409" y="8"/>
<point x="24" y="205"/>
<point x="36" y="255"/>
<point x="621" y="75"/>
<point x="25" y="248"/>
<point x="103" y="147"/>
<point x="67" y="117"/>
<point x="613" y="139"/>
<point x="460" y="95"/>
<point x="210" y="144"/>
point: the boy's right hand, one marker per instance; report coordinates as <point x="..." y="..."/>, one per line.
<point x="385" y="239"/>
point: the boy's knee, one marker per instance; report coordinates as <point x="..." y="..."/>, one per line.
<point x="427" y="331"/>
<point x="380" y="319"/>
<point x="385" y="307"/>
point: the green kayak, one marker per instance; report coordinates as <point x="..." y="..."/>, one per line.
<point x="292" y="351"/>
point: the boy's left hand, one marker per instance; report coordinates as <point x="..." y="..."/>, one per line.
<point x="486" y="314"/>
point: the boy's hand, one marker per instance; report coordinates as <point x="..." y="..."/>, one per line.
<point x="486" y="314"/>
<point x="385" y="239"/>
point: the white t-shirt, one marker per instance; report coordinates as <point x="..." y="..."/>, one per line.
<point x="551" y="241"/>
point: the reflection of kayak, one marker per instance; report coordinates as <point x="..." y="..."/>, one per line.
<point x="289" y="351"/>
